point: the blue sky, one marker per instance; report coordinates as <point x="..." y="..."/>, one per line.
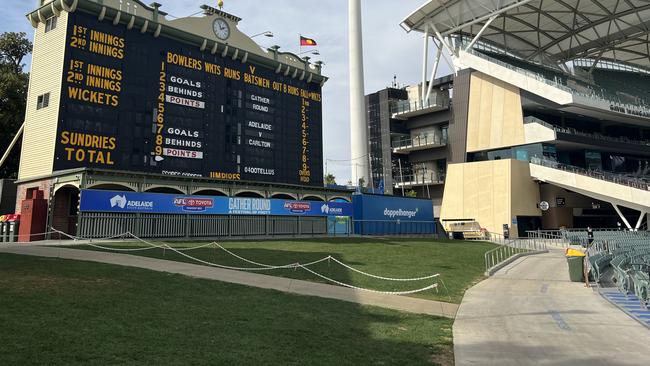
<point x="388" y="50"/>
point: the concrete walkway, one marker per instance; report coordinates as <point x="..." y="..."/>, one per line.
<point x="530" y="314"/>
<point x="401" y="303"/>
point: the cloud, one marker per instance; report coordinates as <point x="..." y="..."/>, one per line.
<point x="388" y="49"/>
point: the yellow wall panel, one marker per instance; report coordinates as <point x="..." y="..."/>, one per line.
<point x="39" y="139"/>
<point x="495" y="117"/>
<point x="490" y="192"/>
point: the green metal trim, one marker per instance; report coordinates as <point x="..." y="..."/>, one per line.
<point x="148" y="178"/>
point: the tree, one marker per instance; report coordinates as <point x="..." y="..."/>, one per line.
<point x="13" y="95"/>
<point x="13" y="49"/>
<point x="411" y="193"/>
<point x="330" y="179"/>
<point x="362" y="182"/>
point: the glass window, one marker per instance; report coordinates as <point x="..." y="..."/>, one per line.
<point x="50" y="24"/>
<point x="43" y="101"/>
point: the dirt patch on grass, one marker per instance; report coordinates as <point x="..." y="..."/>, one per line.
<point x="444" y="356"/>
<point x="33" y="282"/>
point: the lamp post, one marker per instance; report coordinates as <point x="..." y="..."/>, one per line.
<point x="311" y="52"/>
<point x="265" y="34"/>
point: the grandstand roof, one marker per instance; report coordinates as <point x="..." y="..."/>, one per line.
<point x="546" y="30"/>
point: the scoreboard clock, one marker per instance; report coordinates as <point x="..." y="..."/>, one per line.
<point x="221" y="29"/>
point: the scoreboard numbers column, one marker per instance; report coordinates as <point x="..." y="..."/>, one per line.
<point x="305" y="171"/>
<point x="160" y="112"/>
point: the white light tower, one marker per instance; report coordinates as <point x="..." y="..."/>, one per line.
<point x="358" y="129"/>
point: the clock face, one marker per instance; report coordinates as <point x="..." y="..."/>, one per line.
<point x="221" y="29"/>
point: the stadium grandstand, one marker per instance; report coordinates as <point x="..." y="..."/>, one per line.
<point x="544" y="123"/>
<point x="542" y="129"/>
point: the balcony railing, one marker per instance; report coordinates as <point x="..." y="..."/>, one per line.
<point x="419" y="141"/>
<point x="639" y="183"/>
<point x="614" y="105"/>
<point x="419" y="179"/>
<point x="596" y="136"/>
<point x="407" y="106"/>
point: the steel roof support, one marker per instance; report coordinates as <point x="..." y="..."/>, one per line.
<point x="425" y="63"/>
<point x="618" y="211"/>
<point x="480" y="33"/>
<point x="638" y="223"/>
<point x="434" y="71"/>
<point x="483" y="18"/>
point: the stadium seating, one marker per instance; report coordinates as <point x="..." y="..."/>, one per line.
<point x="626" y="252"/>
<point x="616" y="86"/>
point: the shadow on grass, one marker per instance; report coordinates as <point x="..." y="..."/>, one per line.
<point x="59" y="312"/>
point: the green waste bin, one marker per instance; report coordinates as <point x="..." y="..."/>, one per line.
<point x="576" y="268"/>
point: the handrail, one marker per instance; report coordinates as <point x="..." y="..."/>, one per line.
<point x="637" y="110"/>
<point x="573" y="131"/>
<point x="511" y="248"/>
<point x="406" y="106"/>
<point x="418" y="141"/>
<point x="423" y="178"/>
<point x="596" y="174"/>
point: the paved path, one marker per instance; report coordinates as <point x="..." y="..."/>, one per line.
<point x="530" y="314"/>
<point x="401" y="303"/>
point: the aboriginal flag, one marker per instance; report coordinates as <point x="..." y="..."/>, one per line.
<point x="304" y="41"/>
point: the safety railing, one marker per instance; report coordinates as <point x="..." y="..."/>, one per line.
<point x="549" y="237"/>
<point x="638" y="110"/>
<point x="511" y="247"/>
<point x="595" y="136"/>
<point x="596" y="174"/>
<point x="408" y="106"/>
<point x="419" y="141"/>
<point x="425" y="178"/>
<point x="396" y="227"/>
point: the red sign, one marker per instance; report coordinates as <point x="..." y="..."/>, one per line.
<point x="297" y="207"/>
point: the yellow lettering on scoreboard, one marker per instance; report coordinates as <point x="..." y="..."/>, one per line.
<point x="213" y="69"/>
<point x="225" y="176"/>
<point x="97" y="42"/>
<point x="92" y="96"/>
<point x="83" y="147"/>
<point x="184" y="61"/>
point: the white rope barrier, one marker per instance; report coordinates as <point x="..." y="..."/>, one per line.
<point x="435" y="285"/>
<point x="288" y="266"/>
<point x="384" y="278"/>
<point x="262" y="266"/>
<point x="267" y="265"/>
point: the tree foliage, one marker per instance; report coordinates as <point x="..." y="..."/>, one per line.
<point x="330" y="179"/>
<point x="13" y="95"/>
<point x="13" y="49"/>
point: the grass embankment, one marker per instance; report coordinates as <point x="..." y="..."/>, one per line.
<point x="59" y="312"/>
<point x="460" y="264"/>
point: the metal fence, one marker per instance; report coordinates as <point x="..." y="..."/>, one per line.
<point x="102" y="225"/>
<point x="509" y="248"/>
<point x="394" y="227"/>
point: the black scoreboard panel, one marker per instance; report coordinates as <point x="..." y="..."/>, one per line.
<point x="133" y="102"/>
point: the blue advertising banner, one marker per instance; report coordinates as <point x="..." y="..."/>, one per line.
<point x="131" y="202"/>
<point x="389" y="208"/>
<point x="390" y="215"/>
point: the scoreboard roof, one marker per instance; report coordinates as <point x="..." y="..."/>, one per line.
<point x="546" y="31"/>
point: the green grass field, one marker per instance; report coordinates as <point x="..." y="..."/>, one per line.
<point x="460" y="264"/>
<point x="59" y="312"/>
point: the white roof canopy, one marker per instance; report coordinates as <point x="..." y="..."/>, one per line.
<point x="547" y="30"/>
